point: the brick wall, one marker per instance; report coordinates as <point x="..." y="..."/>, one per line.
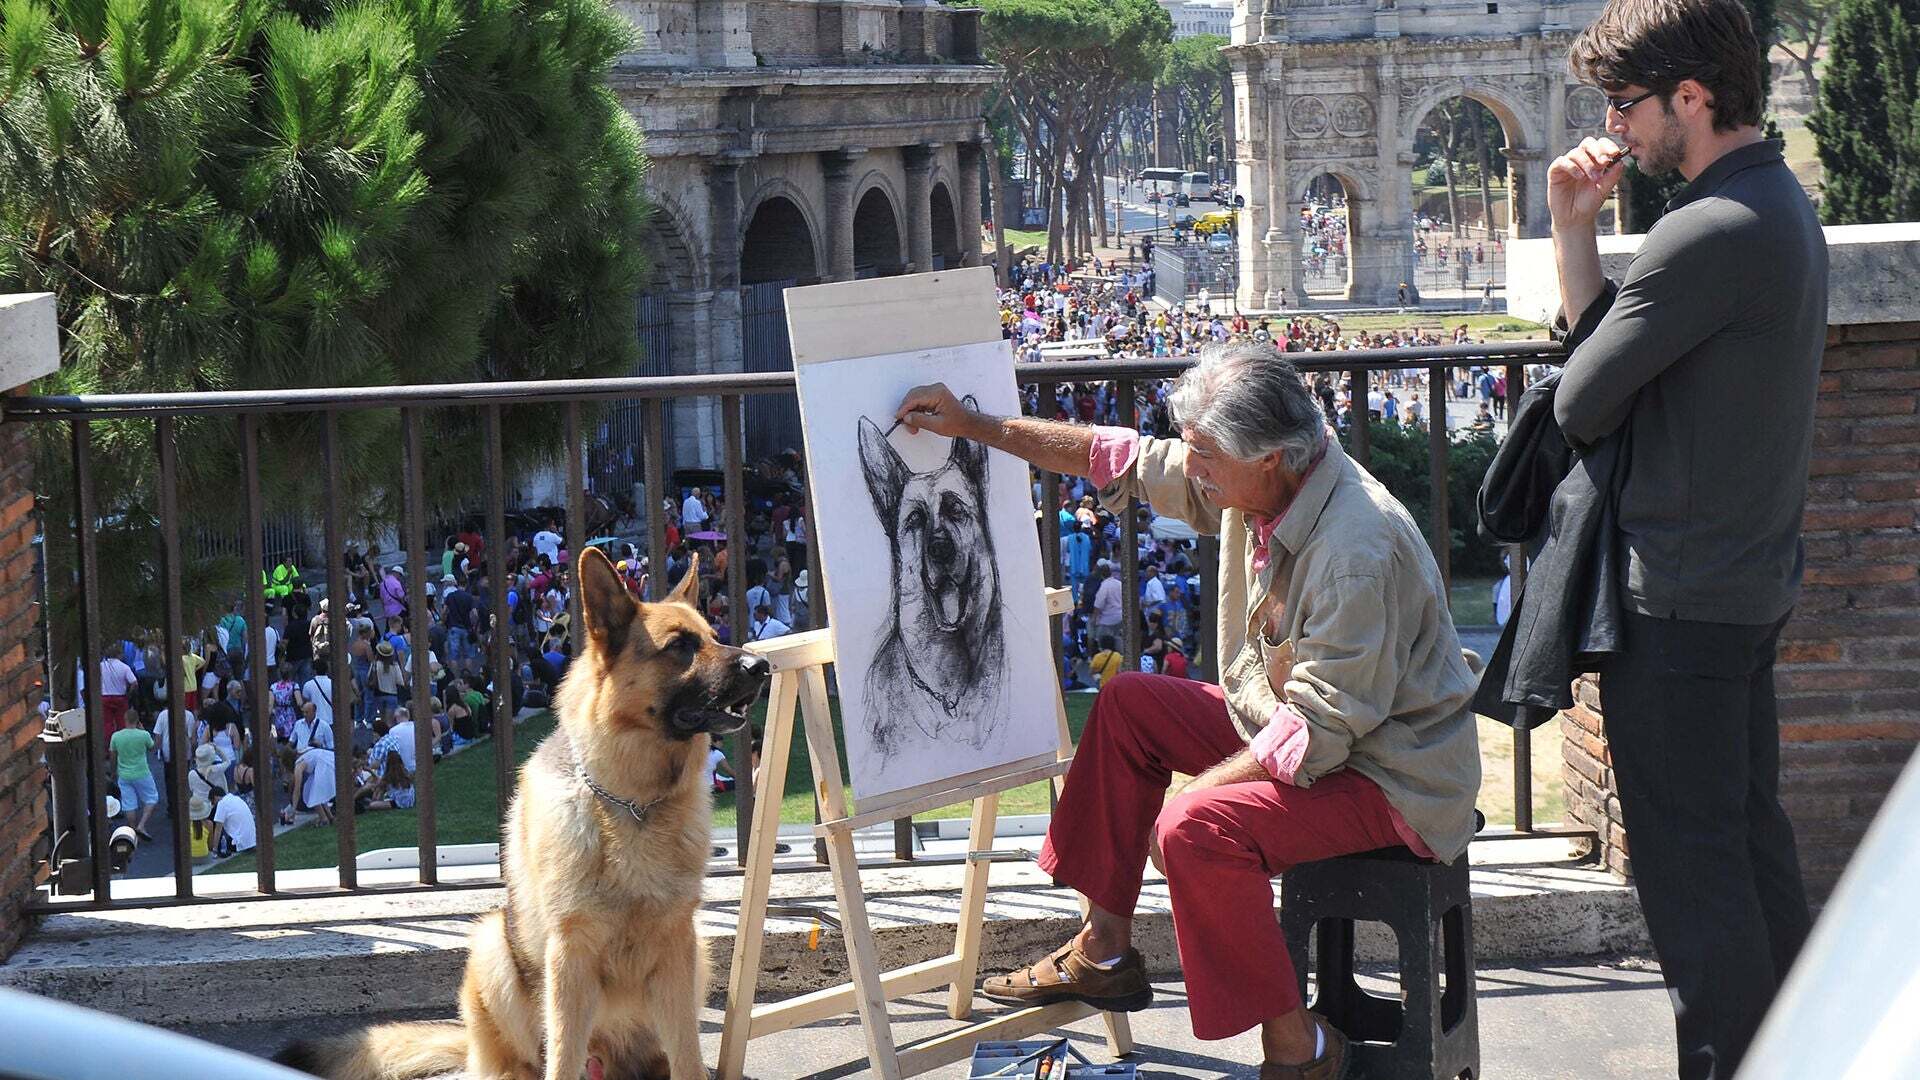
<point x="23" y="775"/>
<point x="785" y="33"/>
<point x="1848" y="675"/>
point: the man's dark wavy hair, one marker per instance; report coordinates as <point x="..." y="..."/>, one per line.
<point x="1659" y="44"/>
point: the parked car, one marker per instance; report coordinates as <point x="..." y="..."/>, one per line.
<point x="1855" y="979"/>
<point x="53" y="1040"/>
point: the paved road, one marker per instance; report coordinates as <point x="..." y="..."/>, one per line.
<point x="1577" y="1020"/>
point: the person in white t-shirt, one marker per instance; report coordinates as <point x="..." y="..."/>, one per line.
<point x="400" y="736"/>
<point x="547" y="542"/>
<point x="312" y="786"/>
<point x="309" y="730"/>
<point x="716" y="767"/>
<point x="765" y="626"/>
<point x="319" y="691"/>
<point x="232" y="820"/>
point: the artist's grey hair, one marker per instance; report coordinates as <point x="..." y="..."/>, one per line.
<point x="1249" y="399"/>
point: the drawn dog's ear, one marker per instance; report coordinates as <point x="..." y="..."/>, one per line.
<point x="886" y="471"/>
<point x="970" y="456"/>
<point x="605" y="603"/>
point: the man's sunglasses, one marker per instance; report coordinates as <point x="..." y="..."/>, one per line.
<point x="1621" y="105"/>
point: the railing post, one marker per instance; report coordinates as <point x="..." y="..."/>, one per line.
<point x="414" y="530"/>
<point x="1359" y="418"/>
<point x="576" y="525"/>
<point x="339" y="663"/>
<point x="1517" y="580"/>
<point x="259" y="695"/>
<point x="500" y="632"/>
<point x="1129" y="546"/>
<point x="655" y="466"/>
<point x="741" y="619"/>
<point x="173" y="641"/>
<point x="1437" y="447"/>
<point x="86" y="519"/>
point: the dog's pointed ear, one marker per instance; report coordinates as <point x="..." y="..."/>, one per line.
<point x="687" y="592"/>
<point x="970" y="456"/>
<point x="886" y="471"/>
<point x="605" y="604"/>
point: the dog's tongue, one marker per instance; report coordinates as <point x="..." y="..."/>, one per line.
<point x="948" y="603"/>
<point x="944" y="595"/>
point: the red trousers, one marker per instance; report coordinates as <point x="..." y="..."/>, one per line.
<point x="1221" y="846"/>
<point x="113" y="713"/>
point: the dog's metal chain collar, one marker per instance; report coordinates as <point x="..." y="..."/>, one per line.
<point x="638" y="811"/>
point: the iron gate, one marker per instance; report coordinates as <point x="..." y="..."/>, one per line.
<point x="615" y="461"/>
<point x="773" y="420"/>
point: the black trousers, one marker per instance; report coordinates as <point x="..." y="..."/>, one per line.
<point x="1695" y="741"/>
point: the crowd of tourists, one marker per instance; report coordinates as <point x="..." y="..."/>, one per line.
<point x="223" y="704"/>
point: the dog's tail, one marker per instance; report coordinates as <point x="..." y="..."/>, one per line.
<point x="385" y="1052"/>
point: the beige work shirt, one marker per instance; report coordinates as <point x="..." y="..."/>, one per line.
<point x="1369" y="658"/>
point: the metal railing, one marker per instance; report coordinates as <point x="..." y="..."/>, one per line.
<point x="247" y="409"/>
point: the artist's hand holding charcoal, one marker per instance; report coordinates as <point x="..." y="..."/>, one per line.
<point x="935" y="408"/>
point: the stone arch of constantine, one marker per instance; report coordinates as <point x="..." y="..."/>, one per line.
<point x="1340" y="87"/>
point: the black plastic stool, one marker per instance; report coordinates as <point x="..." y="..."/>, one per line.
<point x="1435" y="1035"/>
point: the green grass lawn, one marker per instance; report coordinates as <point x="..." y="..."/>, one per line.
<point x="1803" y="156"/>
<point x="1472" y="601"/>
<point x="1487" y="326"/>
<point x="1019" y="238"/>
<point x="466" y="799"/>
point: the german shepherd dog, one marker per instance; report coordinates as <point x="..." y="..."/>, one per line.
<point x="595" y="955"/>
<point x="940" y="669"/>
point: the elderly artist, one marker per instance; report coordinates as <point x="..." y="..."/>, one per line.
<point x="1340" y="724"/>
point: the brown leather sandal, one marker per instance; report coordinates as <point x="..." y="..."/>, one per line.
<point x="1067" y="975"/>
<point x="1333" y="1064"/>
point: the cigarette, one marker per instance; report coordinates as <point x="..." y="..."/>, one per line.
<point x="1615" y="158"/>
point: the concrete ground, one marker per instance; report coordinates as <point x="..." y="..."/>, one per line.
<point x="1579" y="1020"/>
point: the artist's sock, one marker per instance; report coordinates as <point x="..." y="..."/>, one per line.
<point x="1107" y="965"/>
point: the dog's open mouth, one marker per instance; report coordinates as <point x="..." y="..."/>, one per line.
<point x="946" y="598"/>
<point x="719" y="716"/>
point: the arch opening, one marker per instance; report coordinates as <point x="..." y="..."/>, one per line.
<point x="877" y="251"/>
<point x="1463" y="202"/>
<point x="778" y="245"/>
<point x="1330" y="214"/>
<point x="946" y="229"/>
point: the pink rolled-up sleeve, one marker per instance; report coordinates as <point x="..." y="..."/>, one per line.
<point x="1114" y="449"/>
<point x="1281" y="746"/>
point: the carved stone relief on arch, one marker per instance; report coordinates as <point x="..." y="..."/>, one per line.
<point x="1307" y="117"/>
<point x="1586" y="107"/>
<point x="1353" y="115"/>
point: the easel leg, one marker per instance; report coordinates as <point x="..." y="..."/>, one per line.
<point x="863" y="962"/>
<point x="756" y="887"/>
<point x="973" y="905"/>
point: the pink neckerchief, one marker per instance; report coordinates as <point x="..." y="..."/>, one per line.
<point x="1263" y="527"/>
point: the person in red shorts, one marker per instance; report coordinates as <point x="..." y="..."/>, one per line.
<point x="117" y="681"/>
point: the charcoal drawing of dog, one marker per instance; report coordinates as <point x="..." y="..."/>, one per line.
<point x="939" y="673"/>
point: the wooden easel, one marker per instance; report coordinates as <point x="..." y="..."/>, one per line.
<point x="799" y="666"/>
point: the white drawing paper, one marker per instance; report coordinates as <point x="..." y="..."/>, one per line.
<point x="933" y="572"/>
